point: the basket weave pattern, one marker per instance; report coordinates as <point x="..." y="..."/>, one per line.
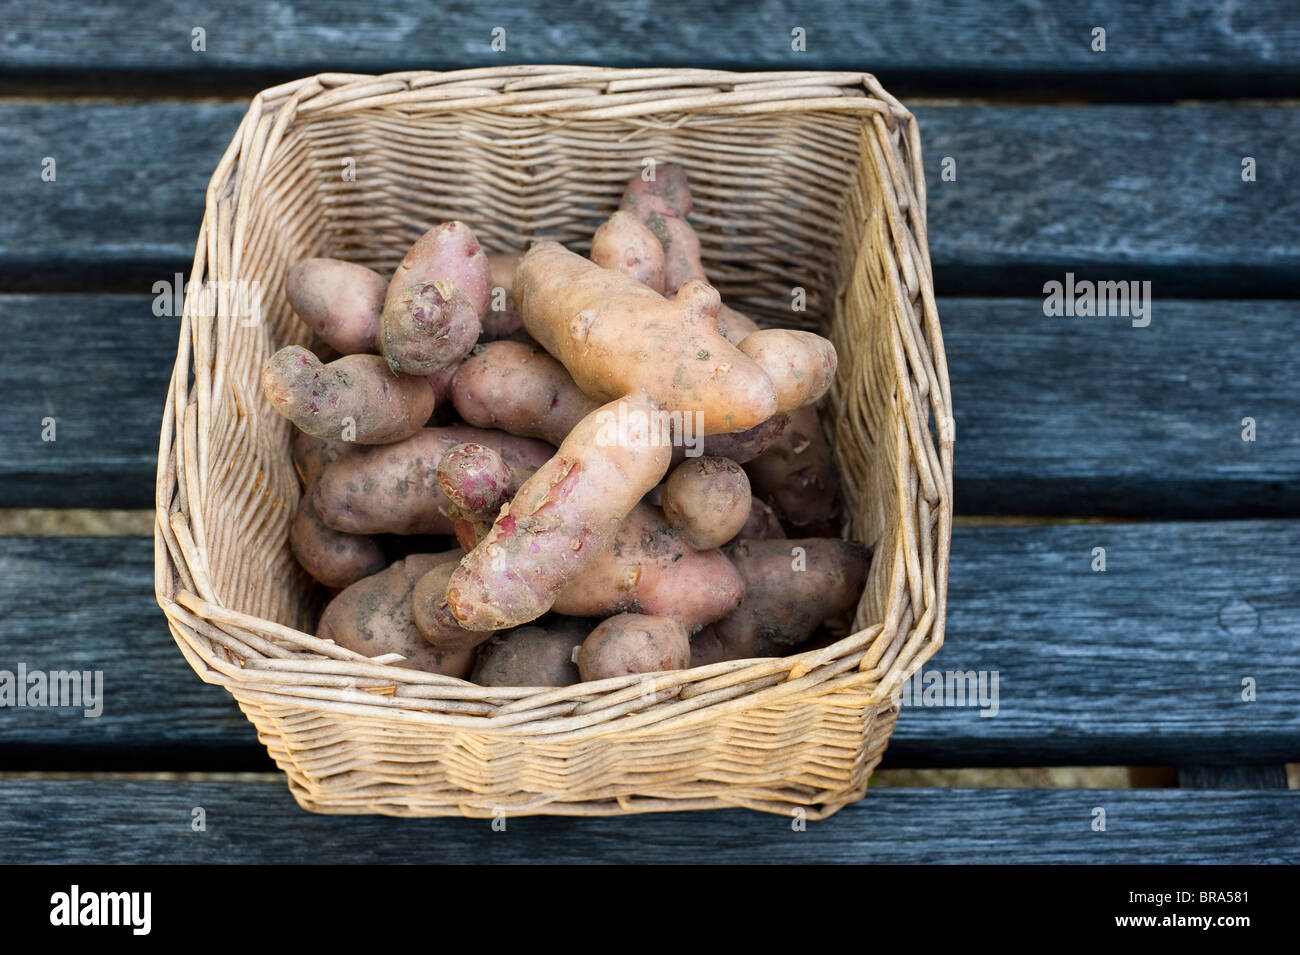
<point x="801" y="180"/>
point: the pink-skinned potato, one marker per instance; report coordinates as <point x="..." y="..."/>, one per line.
<point x="762" y="523"/>
<point x="354" y="398"/>
<point x="537" y="654"/>
<point x="633" y="643"/>
<point x="373" y="617"/>
<point x="434" y="619"/>
<point x="333" y="558"/>
<point x="561" y="519"/>
<point x="340" y="301"/>
<point x="649" y="569"/>
<point x="477" y="482"/>
<point x="796" y="475"/>
<point x="791" y="588"/>
<point x="394" y="489"/>
<point x="502" y="317"/>
<point x="520" y="389"/>
<point x="436" y="301"/>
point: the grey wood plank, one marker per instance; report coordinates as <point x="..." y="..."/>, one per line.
<point x="1192" y="47"/>
<point x="1141" y="664"/>
<point x="97" y="367"/>
<point x="1092" y="416"/>
<point x="1055" y="416"/>
<point x="1269" y="776"/>
<point x="83" y="822"/>
<point x="87" y="604"/>
<point x="1116" y="192"/>
<point x="1147" y="663"/>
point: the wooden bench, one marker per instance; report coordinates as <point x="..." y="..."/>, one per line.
<point x="1072" y="433"/>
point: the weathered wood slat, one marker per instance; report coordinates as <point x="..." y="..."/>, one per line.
<point x="1110" y="193"/>
<point x="1143" y="663"/>
<point x="83" y="822"/>
<point x="1054" y="415"/>
<point x="1092" y="416"/>
<point x="1199" y="47"/>
<point x="90" y="372"/>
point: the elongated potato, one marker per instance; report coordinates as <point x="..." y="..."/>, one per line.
<point x="616" y="337"/>
<point x="532" y="655"/>
<point x="633" y="643"/>
<point x="502" y="318"/>
<point x="355" y="398"/>
<point x="434" y="619"/>
<point x="708" y="500"/>
<point x="373" y="617"/>
<point x="340" y="301"/>
<point x="649" y="569"/>
<point x="791" y="587"/>
<point x="436" y="301"/>
<point x="520" y="389"/>
<point x="563" y="517"/>
<point x="394" y="489"/>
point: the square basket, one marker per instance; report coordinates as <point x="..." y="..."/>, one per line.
<point x="807" y="186"/>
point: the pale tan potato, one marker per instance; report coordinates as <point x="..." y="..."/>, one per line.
<point x="633" y="643"/>
<point x="800" y="364"/>
<point x="708" y="500"/>
<point x="502" y="318"/>
<point x="625" y="244"/>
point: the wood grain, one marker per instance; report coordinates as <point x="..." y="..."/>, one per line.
<point x="1141" y="664"/>
<point x="1191" y="47"/>
<point x="1111" y="193"/>
<point x="85" y="821"/>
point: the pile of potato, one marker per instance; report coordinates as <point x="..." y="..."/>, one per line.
<point x="618" y="455"/>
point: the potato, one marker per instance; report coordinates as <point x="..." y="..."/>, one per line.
<point x="373" y="617"/>
<point x="800" y="364"/>
<point x="340" y="301"/>
<point x="520" y="389"/>
<point x="311" y="455"/>
<point x="502" y="318"/>
<point x="762" y="523"/>
<point x="436" y="301"/>
<point x="394" y="489"/>
<point x="707" y="647"/>
<point x="563" y="517"/>
<point x="335" y="559"/>
<point x="649" y="569"/>
<point x="356" y="398"/>
<point x="797" y="476"/>
<point x="616" y="337"/>
<point x="791" y="587"/>
<point x="476" y="481"/>
<point x="623" y="243"/>
<point x="433" y="618"/>
<point x="532" y="655"/>
<point x="708" y="500"/>
<point x="633" y="643"/>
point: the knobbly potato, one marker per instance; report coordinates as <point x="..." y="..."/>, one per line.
<point x="625" y="244"/>
<point x="633" y="643"/>
<point x="355" y="398"/>
<point x="477" y="482"/>
<point x="433" y="618"/>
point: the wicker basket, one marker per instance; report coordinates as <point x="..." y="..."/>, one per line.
<point x="809" y="180"/>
